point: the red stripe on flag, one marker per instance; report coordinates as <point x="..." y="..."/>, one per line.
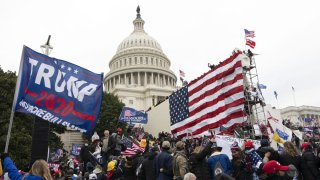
<point x="217" y="100"/>
<point x="208" y="115"/>
<point x="216" y="124"/>
<point x="83" y="116"/>
<point x="215" y="89"/>
<point x="225" y="62"/>
<point x="216" y="78"/>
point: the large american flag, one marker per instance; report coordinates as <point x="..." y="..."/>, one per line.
<point x="214" y="99"/>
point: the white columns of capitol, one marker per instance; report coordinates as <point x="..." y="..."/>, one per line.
<point x="145" y="78"/>
<point x="151" y="81"/>
<point x="158" y="83"/>
<point x="139" y="81"/>
<point x="131" y="78"/>
<point x="125" y="79"/>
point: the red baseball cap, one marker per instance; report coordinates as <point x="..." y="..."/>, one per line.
<point x="273" y="166"/>
<point x="305" y="145"/>
<point x="248" y="145"/>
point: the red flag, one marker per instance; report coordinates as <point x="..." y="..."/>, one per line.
<point x="250" y="43"/>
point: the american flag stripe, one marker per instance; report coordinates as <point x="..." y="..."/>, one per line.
<point x="214" y="99"/>
<point x="132" y="151"/>
<point x="236" y="118"/>
<point x="209" y="115"/>
<point x="216" y="95"/>
<point x="224" y="66"/>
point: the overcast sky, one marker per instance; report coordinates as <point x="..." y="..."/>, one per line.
<point x="191" y="33"/>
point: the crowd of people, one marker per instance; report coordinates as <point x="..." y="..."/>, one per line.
<point x="169" y="158"/>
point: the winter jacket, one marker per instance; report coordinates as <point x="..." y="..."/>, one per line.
<point x="13" y="172"/>
<point x="85" y="154"/>
<point x="224" y="161"/>
<point x="199" y="163"/>
<point x="274" y="154"/>
<point x="239" y="170"/>
<point x="163" y="160"/>
<point x="147" y="171"/>
<point x="310" y="166"/>
<point x="105" y="142"/>
<point x="180" y="165"/>
<point x="286" y="159"/>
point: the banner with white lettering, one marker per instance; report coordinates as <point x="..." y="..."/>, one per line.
<point x="58" y="91"/>
<point x="133" y="116"/>
<point x="226" y="141"/>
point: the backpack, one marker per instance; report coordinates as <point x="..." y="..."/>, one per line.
<point x="218" y="169"/>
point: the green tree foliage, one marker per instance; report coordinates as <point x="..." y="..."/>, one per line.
<point x="21" y="134"/>
<point x="110" y="111"/>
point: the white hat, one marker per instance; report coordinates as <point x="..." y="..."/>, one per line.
<point x="93" y="176"/>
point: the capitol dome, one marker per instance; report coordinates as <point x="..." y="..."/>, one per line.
<point x="140" y="72"/>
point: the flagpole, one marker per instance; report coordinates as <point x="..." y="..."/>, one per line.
<point x="294" y="97"/>
<point x="245" y="43"/>
<point x="14" y="102"/>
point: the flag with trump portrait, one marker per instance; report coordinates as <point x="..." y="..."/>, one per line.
<point x="132" y="116"/>
<point x="214" y="99"/>
<point x="58" y="91"/>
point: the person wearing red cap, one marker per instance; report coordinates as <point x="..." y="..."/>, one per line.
<point x="275" y="170"/>
<point x="309" y="163"/>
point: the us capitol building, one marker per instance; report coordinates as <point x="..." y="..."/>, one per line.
<point x="140" y="72"/>
<point x="139" y="75"/>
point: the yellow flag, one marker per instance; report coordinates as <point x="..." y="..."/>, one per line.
<point x="277" y="138"/>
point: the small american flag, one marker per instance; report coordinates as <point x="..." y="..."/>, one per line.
<point x="249" y="33"/>
<point x="128" y="113"/>
<point x="132" y="147"/>
<point x="250" y="43"/>
<point x="214" y="99"/>
<point x="182" y="74"/>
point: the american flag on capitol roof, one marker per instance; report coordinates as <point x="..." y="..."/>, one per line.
<point x="214" y="99"/>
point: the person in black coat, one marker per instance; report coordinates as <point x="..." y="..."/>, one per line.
<point x="290" y="156"/>
<point x="265" y="147"/>
<point x="309" y="163"/>
<point x="85" y="156"/>
<point x="163" y="163"/>
<point x="239" y="165"/>
<point x="147" y="170"/>
<point x="198" y="163"/>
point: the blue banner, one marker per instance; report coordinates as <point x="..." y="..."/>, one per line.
<point x="58" y="91"/>
<point x="133" y="116"/>
<point x="282" y="134"/>
<point x="75" y="149"/>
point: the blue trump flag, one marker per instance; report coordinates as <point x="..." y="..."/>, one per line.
<point x="133" y="116"/>
<point x="58" y="91"/>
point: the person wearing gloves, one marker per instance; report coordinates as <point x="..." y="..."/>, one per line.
<point x="39" y="170"/>
<point x="198" y="162"/>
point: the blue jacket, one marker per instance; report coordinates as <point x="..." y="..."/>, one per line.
<point x="13" y="172"/>
<point x="224" y="161"/>
<point x="163" y="160"/>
